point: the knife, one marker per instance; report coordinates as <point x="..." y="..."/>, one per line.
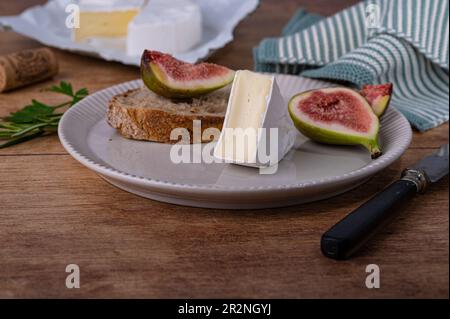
<point x="345" y="238"/>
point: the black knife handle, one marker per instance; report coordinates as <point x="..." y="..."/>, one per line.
<point x="352" y="232"/>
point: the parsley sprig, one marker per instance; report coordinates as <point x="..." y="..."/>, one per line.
<point x="37" y="118"/>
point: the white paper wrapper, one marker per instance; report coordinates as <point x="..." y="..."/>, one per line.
<point x="46" y="24"/>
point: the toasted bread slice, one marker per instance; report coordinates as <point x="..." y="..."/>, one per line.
<point x="142" y="115"/>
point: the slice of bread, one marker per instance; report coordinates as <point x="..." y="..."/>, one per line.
<point x="142" y="115"/>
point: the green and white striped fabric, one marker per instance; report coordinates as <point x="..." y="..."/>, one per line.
<point x="400" y="41"/>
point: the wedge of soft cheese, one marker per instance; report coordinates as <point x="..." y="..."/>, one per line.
<point x="170" y="26"/>
<point x="105" y="18"/>
<point x="257" y="130"/>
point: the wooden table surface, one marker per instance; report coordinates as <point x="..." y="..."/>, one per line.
<point x="54" y="212"/>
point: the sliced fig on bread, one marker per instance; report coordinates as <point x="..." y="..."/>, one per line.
<point x="178" y="80"/>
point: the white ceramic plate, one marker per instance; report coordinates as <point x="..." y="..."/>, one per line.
<point x="309" y="172"/>
<point x="46" y="24"/>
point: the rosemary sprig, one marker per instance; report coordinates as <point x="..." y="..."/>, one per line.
<point x="37" y="118"/>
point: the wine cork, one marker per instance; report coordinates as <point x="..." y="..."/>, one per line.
<point x="26" y="67"/>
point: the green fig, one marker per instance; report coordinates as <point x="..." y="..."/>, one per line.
<point x="178" y="80"/>
<point x="339" y="116"/>
<point x="378" y="96"/>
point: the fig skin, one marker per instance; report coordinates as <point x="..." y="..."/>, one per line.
<point x="333" y="137"/>
<point x="153" y="78"/>
<point x="381" y="103"/>
<point x="380" y="107"/>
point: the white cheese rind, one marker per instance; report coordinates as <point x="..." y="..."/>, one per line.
<point x="170" y="26"/>
<point x="255" y="104"/>
<point x="110" y="5"/>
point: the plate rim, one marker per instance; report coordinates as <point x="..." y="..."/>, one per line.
<point x="111" y="172"/>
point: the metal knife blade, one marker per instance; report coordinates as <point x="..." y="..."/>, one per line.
<point x="436" y="165"/>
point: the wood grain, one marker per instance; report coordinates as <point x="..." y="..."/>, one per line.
<point x="55" y="212"/>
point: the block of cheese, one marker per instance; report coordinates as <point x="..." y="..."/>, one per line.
<point x="169" y="26"/>
<point x="257" y="130"/>
<point x="105" y="18"/>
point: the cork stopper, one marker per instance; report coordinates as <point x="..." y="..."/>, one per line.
<point x="26" y="67"/>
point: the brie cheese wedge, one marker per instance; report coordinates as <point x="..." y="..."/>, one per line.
<point x="105" y="18"/>
<point x="170" y="26"/>
<point x="257" y="130"/>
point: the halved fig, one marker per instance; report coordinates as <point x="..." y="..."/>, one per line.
<point x="338" y="116"/>
<point x="178" y="80"/>
<point x="378" y="96"/>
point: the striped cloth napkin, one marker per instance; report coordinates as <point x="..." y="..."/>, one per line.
<point x="400" y="41"/>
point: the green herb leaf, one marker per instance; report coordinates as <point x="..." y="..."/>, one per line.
<point x="21" y="139"/>
<point x="31" y="113"/>
<point x="63" y="88"/>
<point x="82" y="92"/>
<point x="37" y="118"/>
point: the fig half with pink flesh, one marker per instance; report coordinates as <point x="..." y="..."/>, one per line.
<point x="338" y="116"/>
<point x="178" y="80"/>
<point x="378" y="96"/>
